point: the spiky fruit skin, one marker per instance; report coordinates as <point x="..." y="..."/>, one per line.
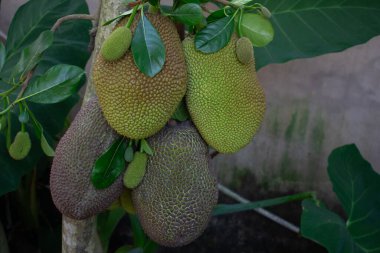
<point x="136" y="170"/>
<point x="135" y="105"/>
<point x="244" y="50"/>
<point x="70" y="178"/>
<point x="117" y="44"/>
<point x="20" y="146"/>
<point x="179" y="190"/>
<point x="224" y="98"/>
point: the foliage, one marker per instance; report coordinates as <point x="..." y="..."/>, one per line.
<point x="357" y="187"/>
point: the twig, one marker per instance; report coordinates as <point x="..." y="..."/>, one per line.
<point x="133" y="4"/>
<point x="205" y="9"/>
<point x="224" y="2"/>
<point x="261" y="211"/>
<point x="213" y="154"/>
<point x="25" y="84"/>
<point x="59" y="22"/>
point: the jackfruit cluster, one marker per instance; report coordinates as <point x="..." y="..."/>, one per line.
<point x="135" y="105"/>
<point x="70" y="178"/>
<point x="179" y="190"/>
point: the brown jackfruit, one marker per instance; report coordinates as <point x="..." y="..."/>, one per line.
<point x="135" y="105"/>
<point x="70" y="179"/>
<point x="179" y="190"/>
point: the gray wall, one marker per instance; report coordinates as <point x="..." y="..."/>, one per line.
<point x="313" y="106"/>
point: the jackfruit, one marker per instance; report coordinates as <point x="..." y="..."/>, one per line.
<point x="244" y="50"/>
<point x="224" y="98"/>
<point x="179" y="190"/>
<point x="21" y="145"/>
<point x="70" y="178"/>
<point x="135" y="105"/>
<point x="136" y="170"/>
<point x="115" y="46"/>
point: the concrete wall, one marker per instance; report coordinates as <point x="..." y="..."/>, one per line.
<point x="313" y="106"/>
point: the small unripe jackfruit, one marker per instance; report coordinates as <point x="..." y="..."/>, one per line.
<point x="179" y="190"/>
<point x="135" y="105"/>
<point x="21" y="145"/>
<point x="224" y="97"/>
<point x="126" y="201"/>
<point x="136" y="170"/>
<point x="115" y="46"/>
<point x="244" y="50"/>
<point x="70" y="178"/>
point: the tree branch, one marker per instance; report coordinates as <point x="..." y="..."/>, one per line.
<point x="59" y="22"/>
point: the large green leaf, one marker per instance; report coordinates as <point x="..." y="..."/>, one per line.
<point x="57" y="84"/>
<point x="306" y="28"/>
<point x="189" y="14"/>
<point x="147" y="48"/>
<point x="326" y="228"/>
<point x="106" y="224"/>
<point x="357" y="186"/>
<point x="70" y="46"/>
<point x="2" y="55"/>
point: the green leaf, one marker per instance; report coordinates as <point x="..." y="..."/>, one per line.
<point x="106" y="224"/>
<point x="150" y="247"/>
<point x="222" y="209"/>
<point x="2" y="55"/>
<point x="154" y="2"/>
<point x="216" y="15"/>
<point x="215" y="35"/>
<point x="310" y="28"/>
<point x="109" y="165"/>
<point x="189" y="14"/>
<point x="139" y="236"/>
<point x="147" y="48"/>
<point x="181" y="113"/>
<point x="326" y="228"/>
<point x="357" y="187"/>
<point x="257" y="28"/>
<point x="145" y="147"/>
<point x="126" y="13"/>
<point x="57" y="84"/>
<point x="124" y="249"/>
<point x="31" y="55"/>
<point x="46" y="148"/>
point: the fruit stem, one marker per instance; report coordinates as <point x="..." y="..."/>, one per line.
<point x="133" y="14"/>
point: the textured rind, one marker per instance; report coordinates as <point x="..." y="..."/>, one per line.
<point x="70" y="178"/>
<point x="135" y="171"/>
<point x="224" y="98"/>
<point x="136" y="105"/>
<point x="179" y="190"/>
<point x="244" y="50"/>
<point x="21" y="145"/>
<point x="116" y="44"/>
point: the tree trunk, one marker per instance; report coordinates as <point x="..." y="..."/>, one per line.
<point x="81" y="236"/>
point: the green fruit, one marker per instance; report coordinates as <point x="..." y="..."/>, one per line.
<point x="244" y="50"/>
<point x="115" y="46"/>
<point x="257" y="28"/>
<point x="70" y="178"/>
<point x="135" y="171"/>
<point x="20" y="147"/>
<point x="179" y="191"/>
<point x="126" y="201"/>
<point x="224" y="98"/>
<point x="135" y="105"/>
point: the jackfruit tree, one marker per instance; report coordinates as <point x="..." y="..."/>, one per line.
<point x="170" y="87"/>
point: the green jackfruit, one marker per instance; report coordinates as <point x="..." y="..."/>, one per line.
<point x="179" y="190"/>
<point x="70" y="178"/>
<point x="224" y="98"/>
<point x="135" y="105"/>
<point x="244" y="50"/>
<point x="126" y="201"/>
<point x="21" y="145"/>
<point x="136" y="170"/>
<point x="115" y="46"/>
